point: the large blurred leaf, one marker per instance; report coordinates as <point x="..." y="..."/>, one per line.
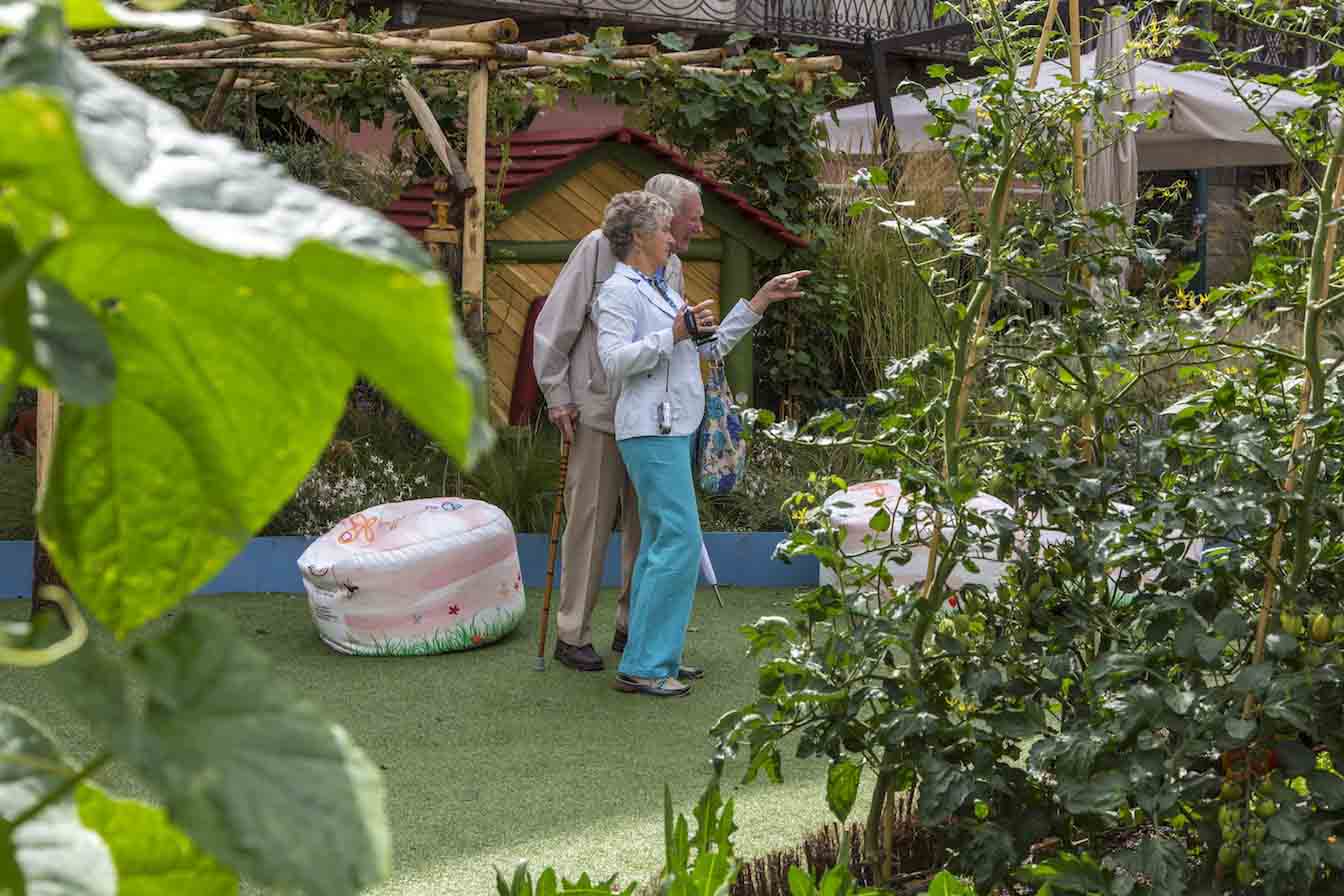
<point x="252" y="773"/>
<point x="153" y="858"/>
<point x="56" y="855"/>
<point x="98" y="14"/>
<point x="239" y="306"/>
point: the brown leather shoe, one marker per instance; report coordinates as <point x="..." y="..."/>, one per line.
<point x="619" y="640"/>
<point x="584" y="658"/>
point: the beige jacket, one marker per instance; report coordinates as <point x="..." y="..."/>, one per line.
<point x="564" y="347"/>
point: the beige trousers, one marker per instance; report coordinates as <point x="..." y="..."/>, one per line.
<point x="597" y="488"/>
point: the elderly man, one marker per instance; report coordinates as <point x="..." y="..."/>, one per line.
<point x="579" y="403"/>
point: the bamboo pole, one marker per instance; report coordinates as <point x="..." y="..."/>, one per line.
<point x="473" y="223"/>
<point x="556" y="44"/>
<point x="136" y="38"/>
<point x="252" y="63"/>
<point x="44" y="570"/>
<point x="629" y="51"/>
<point x="189" y="48"/>
<point x="1044" y="43"/>
<point x="217" y="45"/>
<point x="437" y="49"/>
<point x="214" y="111"/>
<point x="711" y="56"/>
<point x="462" y="182"/>
<point x="501" y="31"/>
<point x="1076" y="72"/>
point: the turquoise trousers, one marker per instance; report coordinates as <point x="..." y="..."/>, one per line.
<point x="669" y="554"/>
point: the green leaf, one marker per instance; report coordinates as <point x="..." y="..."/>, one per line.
<point x="991" y="854"/>
<point x="1327" y="788"/>
<point x="242" y="764"/>
<point x="740" y="37"/>
<point x="670" y="40"/>
<point x="1294" y="758"/>
<point x="800" y="882"/>
<point x="245" y="305"/>
<point x="153" y="858"/>
<point x="1160" y="861"/>
<point x="1240" y="729"/>
<point x="1254" y="678"/>
<point x="947" y="884"/>
<point x="1068" y="873"/>
<point x="1231" y="624"/>
<point x="63" y="339"/>
<point x="1209" y="647"/>
<point x="89" y="15"/>
<point x="53" y="851"/>
<point x="943" y="788"/>
<point x="842" y="787"/>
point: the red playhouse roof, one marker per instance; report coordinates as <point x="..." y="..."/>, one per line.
<point x="532" y="156"/>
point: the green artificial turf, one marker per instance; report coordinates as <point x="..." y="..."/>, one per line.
<point x="488" y="761"/>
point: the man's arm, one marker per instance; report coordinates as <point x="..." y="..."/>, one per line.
<point x="558" y="327"/>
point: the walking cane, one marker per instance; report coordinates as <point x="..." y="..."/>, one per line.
<point x="540" y="664"/>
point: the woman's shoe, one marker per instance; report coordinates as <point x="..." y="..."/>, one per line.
<point x="656" y="687"/>
<point x="691" y="673"/>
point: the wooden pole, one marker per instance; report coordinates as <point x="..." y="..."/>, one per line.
<point x="462" y="182"/>
<point x="242" y="64"/>
<point x="1076" y="71"/>
<point x="136" y="38"/>
<point x="437" y="49"/>
<point x="473" y="224"/>
<point x="1044" y="43"/>
<point x="214" y="111"/>
<point x="44" y="570"/>
<point x="540" y="663"/>
<point x="556" y="44"/>
<point x="495" y="31"/>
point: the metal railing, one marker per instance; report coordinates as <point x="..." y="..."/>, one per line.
<point x="823" y="21"/>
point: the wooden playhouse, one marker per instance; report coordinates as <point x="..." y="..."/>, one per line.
<point x="553" y="186"/>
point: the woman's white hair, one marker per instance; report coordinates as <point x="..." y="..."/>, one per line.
<point x="674" y="188"/>
<point x="627" y="214"/>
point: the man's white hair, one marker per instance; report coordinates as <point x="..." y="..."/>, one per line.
<point x="674" y="188"/>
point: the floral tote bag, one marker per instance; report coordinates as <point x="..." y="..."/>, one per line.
<point x="721" y="450"/>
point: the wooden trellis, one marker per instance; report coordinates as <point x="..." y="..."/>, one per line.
<point x="481" y="49"/>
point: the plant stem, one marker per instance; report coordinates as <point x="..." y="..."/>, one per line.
<point x="61" y="790"/>
<point x="1312" y="399"/>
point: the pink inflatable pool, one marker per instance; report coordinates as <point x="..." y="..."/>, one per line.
<point x="415" y="578"/>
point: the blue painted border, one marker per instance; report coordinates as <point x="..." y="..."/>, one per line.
<point x="271" y="564"/>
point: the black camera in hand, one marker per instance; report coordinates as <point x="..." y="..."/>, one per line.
<point x="699" y="335"/>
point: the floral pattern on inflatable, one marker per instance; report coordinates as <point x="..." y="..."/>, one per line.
<point x="415" y="578"/>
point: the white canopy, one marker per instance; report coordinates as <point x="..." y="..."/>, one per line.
<point x="1207" y="126"/>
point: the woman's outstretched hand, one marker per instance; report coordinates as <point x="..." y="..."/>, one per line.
<point x="776" y="289"/>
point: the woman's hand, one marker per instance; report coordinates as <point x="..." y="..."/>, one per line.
<point x="704" y="319"/>
<point x="776" y="289"/>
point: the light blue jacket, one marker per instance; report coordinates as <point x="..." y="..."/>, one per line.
<point x="634" y="343"/>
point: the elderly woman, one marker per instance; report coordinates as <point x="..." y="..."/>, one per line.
<point x="646" y="345"/>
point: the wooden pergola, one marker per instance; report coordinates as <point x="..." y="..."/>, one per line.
<point x="482" y="50"/>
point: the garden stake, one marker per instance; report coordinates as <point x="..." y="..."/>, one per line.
<point x="540" y="664"/>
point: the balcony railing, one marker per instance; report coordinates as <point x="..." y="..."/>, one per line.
<point x="824" y="21"/>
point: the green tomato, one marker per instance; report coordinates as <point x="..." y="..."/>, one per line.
<point x="1266" y="809"/>
<point x="1228" y="855"/>
<point x="1337" y="624"/>
<point x="1320" y="628"/>
<point x="1231" y="791"/>
<point x="1255" y="832"/>
<point x="1245" y="873"/>
<point x="1266" y="786"/>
